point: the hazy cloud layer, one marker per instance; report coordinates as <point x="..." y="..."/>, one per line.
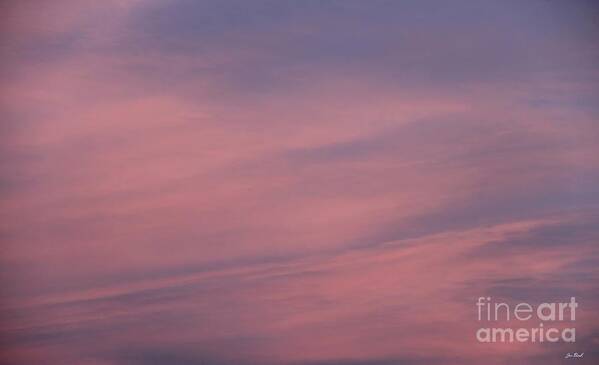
<point x="303" y="183"/>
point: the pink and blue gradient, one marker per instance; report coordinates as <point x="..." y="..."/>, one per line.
<point x="294" y="182"/>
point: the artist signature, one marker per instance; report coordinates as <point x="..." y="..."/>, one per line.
<point x="571" y="355"/>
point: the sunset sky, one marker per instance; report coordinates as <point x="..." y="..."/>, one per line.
<point x="295" y="182"/>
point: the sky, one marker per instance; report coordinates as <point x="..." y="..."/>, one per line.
<point x="295" y="182"/>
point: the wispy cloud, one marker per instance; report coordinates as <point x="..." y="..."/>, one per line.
<point x="293" y="183"/>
